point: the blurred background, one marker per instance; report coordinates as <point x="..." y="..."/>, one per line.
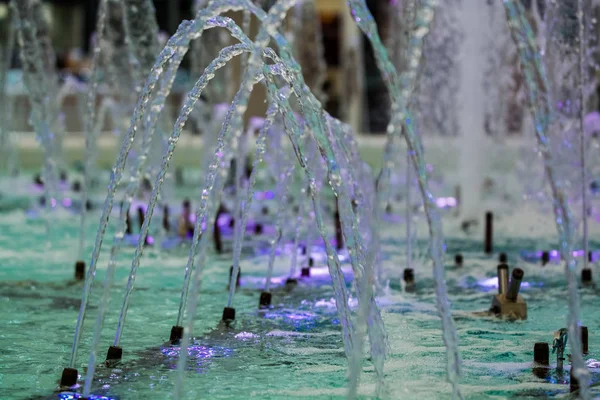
<point x="72" y="24"/>
<point x="353" y="89"/>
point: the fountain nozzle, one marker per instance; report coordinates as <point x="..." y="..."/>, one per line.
<point x="80" y="270"/>
<point x="508" y="302"/>
<point x="176" y="334"/>
<point x="228" y="315"/>
<point x="541" y="359"/>
<point x="559" y="345"/>
<point x="409" y="279"/>
<point x="264" y="301"/>
<point x="502" y="258"/>
<point x="502" y="279"/>
<point x="489" y="232"/>
<point x="69" y="377"/>
<point x="458" y="260"/>
<point x="114" y="355"/>
<point x="586" y="276"/>
<point x="545" y="257"/>
<point x="515" y="284"/>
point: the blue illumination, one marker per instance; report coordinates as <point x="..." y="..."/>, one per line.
<point x="73" y="395"/>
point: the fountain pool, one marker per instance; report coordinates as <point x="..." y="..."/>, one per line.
<point x="351" y="285"/>
<point x="294" y="349"/>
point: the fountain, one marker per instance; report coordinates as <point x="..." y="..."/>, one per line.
<point x="337" y="297"/>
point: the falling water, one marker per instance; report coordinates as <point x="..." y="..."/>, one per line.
<point x="239" y="105"/>
<point x="90" y="122"/>
<point x="170" y="51"/>
<point x="174" y="51"/>
<point x="582" y="149"/>
<point x="40" y="84"/>
<point x="317" y="121"/>
<point x="541" y="107"/>
<point x="224" y="56"/>
<point x="5" y="102"/>
<point x="472" y="111"/>
<point x="333" y="263"/>
<point x="261" y="148"/>
<point x="408" y="213"/>
<point x="400" y="90"/>
<point x="282" y="189"/>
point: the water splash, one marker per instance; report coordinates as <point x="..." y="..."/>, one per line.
<point x="90" y="124"/>
<point x="400" y="89"/>
<point x="40" y="80"/>
<point x="542" y="110"/>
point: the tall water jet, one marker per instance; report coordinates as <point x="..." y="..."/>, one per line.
<point x="6" y="52"/>
<point x="39" y="77"/>
<point x="472" y="142"/>
<point x="90" y="123"/>
<point x="400" y="89"/>
<point x="581" y="19"/>
<point x="308" y="46"/>
<point x="544" y="115"/>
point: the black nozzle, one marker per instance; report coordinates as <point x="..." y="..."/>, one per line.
<point x="258" y="229"/>
<point x="176" y="334"/>
<point x="515" y="284"/>
<point x="586" y="276"/>
<point x="69" y="377"/>
<point x="305" y="272"/>
<point x="217" y="231"/>
<point x="76" y="187"/>
<point x="265" y="300"/>
<point x="80" y="270"/>
<point x="458" y="260"/>
<point x="339" y="237"/>
<point x="502" y="258"/>
<point x="311" y="262"/>
<point x="63" y="176"/>
<point x="114" y="354"/>
<point x="141" y="216"/>
<point x="37" y="179"/>
<point x="541" y="353"/>
<point x="502" y="279"/>
<point x="545" y="257"/>
<point x="409" y="276"/>
<point x="228" y="315"/>
<point x="248" y="168"/>
<point x="584" y="339"/>
<point x="265" y="210"/>
<point x="291" y="283"/>
<point x="146" y="184"/>
<point x="303" y="249"/>
<point x="488" y="247"/>
<point x="590" y="256"/>
<point x="128" y="230"/>
<point x="165" y="219"/>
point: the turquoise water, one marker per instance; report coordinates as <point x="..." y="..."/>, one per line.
<point x="295" y="349"/>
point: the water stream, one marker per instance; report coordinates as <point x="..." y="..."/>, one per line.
<point x="538" y="91"/>
<point x="90" y="124"/>
<point x="400" y="89"/>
